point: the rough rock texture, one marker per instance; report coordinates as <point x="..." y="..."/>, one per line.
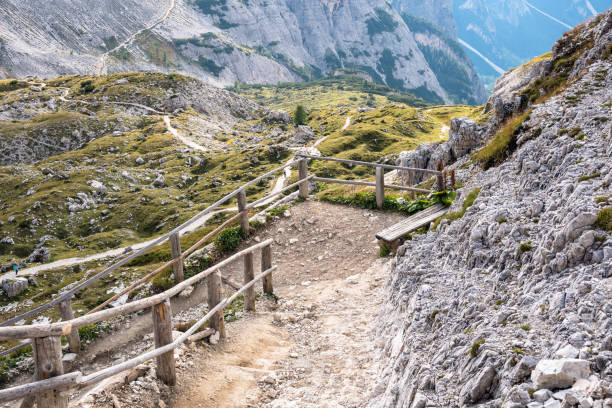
<point x="525" y="272"/>
<point x="559" y="373"/>
<point x="14" y="287"/>
<point x="464" y="136"/>
<point x="261" y="41"/>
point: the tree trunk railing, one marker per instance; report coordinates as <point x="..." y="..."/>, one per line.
<point x="379" y="184"/>
<point x="51" y="383"/>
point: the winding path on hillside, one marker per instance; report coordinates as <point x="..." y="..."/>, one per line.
<point x="321" y="332"/>
<point x="102" y="59"/>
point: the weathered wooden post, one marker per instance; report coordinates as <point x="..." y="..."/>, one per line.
<point x="266" y="263"/>
<point x="453" y="179"/>
<point x="244" y="216"/>
<point x="440" y="180"/>
<point x="66" y="313"/>
<point x="177" y="267"/>
<point x="249" y="275"/>
<point x="444" y="180"/>
<point x="303" y="173"/>
<point x="380" y="187"/>
<point x="48" y="360"/>
<point x="214" y="297"/>
<point x="162" y="326"/>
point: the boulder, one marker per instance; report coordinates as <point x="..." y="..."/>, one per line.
<point x="41" y="255"/>
<point x="303" y="135"/>
<point x="160" y="181"/>
<point x="99" y="188"/>
<point x="562" y="373"/>
<point x="464" y="136"/>
<point x="479" y="386"/>
<point x="279" y="116"/>
<point x="14" y="287"/>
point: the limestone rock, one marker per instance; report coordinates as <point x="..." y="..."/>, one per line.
<point x="14" y="287"/>
<point x="563" y="373"/>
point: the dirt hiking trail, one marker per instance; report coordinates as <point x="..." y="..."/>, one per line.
<point x="312" y="348"/>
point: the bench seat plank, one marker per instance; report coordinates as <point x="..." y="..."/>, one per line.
<point x="412" y="223"/>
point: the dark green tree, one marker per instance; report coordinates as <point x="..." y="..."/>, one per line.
<point x="300" y="116"/>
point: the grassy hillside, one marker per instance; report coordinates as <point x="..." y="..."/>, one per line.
<point x="348" y="89"/>
<point x="128" y="149"/>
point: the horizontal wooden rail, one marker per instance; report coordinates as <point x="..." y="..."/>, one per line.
<point x="77" y="379"/>
<point x="70" y="293"/>
<point x="289" y="187"/>
<point x="368" y="164"/>
<point x="55" y="383"/>
<point x="369" y="184"/>
<point x="62" y="328"/>
<point x="110" y="371"/>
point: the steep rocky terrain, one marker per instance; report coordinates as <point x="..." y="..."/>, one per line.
<point x="223" y="41"/>
<point x="507" y="301"/>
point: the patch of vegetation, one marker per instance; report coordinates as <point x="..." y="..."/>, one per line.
<point x="10" y="361"/>
<point x="8" y="85"/>
<point x="93" y="331"/>
<point x="526" y="327"/>
<point x="502" y="220"/>
<point x="518" y="350"/>
<point x="467" y="203"/>
<point x="384" y="251"/>
<point x="589" y="177"/>
<point x="209" y="65"/>
<point x="575" y="131"/>
<point x="381" y="23"/>
<point x="525" y="247"/>
<point x="367" y="200"/>
<point x="476" y="347"/>
<point x="604" y="219"/>
<point x="229" y="239"/>
<point x="503" y="143"/>
<point x="602" y="199"/>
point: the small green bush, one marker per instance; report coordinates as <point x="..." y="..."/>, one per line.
<point x="502" y="220"/>
<point x="526" y="327"/>
<point x="384" y="251"/>
<point x="475" y="347"/>
<point x="93" y="331"/>
<point x="228" y="240"/>
<point x="604" y="219"/>
<point x="526" y="247"/>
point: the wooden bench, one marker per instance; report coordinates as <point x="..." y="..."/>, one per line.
<point x="392" y="236"/>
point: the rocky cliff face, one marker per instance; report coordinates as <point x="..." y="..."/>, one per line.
<point x="221" y="40"/>
<point x="508" y="301"/>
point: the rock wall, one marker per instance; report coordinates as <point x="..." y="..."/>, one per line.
<point x="510" y="304"/>
<point x="224" y="41"/>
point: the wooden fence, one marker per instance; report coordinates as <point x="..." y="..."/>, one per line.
<point x="441" y="176"/>
<point x="50" y="383"/>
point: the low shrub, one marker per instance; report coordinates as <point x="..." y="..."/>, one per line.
<point x="228" y="240"/>
<point x="604" y="219"/>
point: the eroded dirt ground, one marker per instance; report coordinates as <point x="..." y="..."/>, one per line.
<point x="312" y="348"/>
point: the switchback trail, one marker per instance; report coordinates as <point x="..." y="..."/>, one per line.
<point x="102" y="59"/>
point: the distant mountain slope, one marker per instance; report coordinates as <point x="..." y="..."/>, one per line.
<point x="448" y="60"/>
<point x="222" y="41"/>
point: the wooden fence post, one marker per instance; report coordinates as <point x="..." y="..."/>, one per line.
<point x="214" y="297"/>
<point x="48" y="360"/>
<point x="244" y="216"/>
<point x="380" y="187"/>
<point x="66" y="313"/>
<point x="453" y="180"/>
<point x="440" y="180"/>
<point x="303" y="173"/>
<point x="249" y="275"/>
<point x="177" y="268"/>
<point x="266" y="263"/>
<point x="162" y="326"/>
